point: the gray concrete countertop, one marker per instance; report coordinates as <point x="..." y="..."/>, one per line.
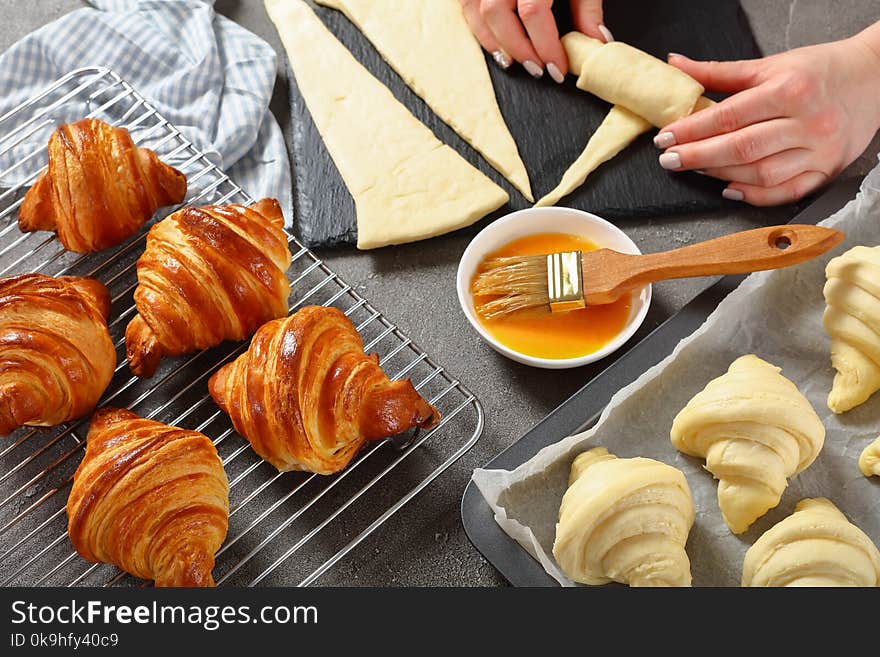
<point x="424" y="544"/>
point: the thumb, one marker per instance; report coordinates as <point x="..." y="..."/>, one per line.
<point x="727" y="77"/>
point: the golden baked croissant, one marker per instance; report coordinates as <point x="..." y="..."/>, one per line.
<point x="99" y="187"/>
<point x="307" y="397"/>
<point x="624" y="520"/>
<point x="56" y="355"/>
<point x="814" y="546"/>
<point x="150" y="498"/>
<point x="755" y="429"/>
<point x="869" y="459"/>
<point x="208" y="274"/>
<point x="852" y="319"/>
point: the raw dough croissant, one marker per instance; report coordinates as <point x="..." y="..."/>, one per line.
<point x="626" y="76"/>
<point x="852" y="319"/>
<point x="755" y="429"/>
<point x="624" y="520"/>
<point x="99" y="187"/>
<point x="307" y="397"/>
<point x="149" y="498"/>
<point x="869" y="460"/>
<point x="208" y="274"/>
<point x="814" y="546"/>
<point x="56" y="355"/>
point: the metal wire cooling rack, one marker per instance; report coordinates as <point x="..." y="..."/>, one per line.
<point x="285" y="528"/>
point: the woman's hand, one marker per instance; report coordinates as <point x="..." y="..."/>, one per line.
<point x="795" y="120"/>
<point x="525" y="31"/>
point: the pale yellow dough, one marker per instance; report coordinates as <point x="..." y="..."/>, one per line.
<point x="852" y="319"/>
<point x="869" y="460"/>
<point x="622" y="75"/>
<point x="814" y="546"/>
<point x="406" y="184"/>
<point x="617" y="131"/>
<point x="622" y="125"/>
<point x="429" y="44"/>
<point x="755" y="429"/>
<point x="624" y="520"/>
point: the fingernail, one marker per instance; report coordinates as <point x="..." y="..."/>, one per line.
<point x="555" y="73"/>
<point x="733" y="194"/>
<point x="675" y="54"/>
<point x="664" y="140"/>
<point x="606" y="34"/>
<point x="670" y="161"/>
<point x="502" y="59"/>
<point x="534" y="70"/>
<point x="702" y="172"/>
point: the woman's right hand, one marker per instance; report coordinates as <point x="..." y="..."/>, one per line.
<point x="525" y="31"/>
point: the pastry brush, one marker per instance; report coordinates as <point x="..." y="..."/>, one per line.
<point x="575" y="279"/>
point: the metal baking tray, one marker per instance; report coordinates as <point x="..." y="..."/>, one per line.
<point x="582" y="409"/>
<point x="284" y="528"/>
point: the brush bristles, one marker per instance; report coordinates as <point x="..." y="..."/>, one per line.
<point x="507" y="285"/>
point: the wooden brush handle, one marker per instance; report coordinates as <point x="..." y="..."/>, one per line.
<point x="608" y="275"/>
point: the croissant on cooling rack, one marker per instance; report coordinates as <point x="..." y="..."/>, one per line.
<point x="755" y="429"/>
<point x="307" y="397"/>
<point x="814" y="546"/>
<point x="208" y="274"/>
<point x="150" y="498"/>
<point x="99" y="188"/>
<point x="624" y="520"/>
<point x="56" y="355"/>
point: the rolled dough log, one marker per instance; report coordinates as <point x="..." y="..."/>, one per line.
<point x="406" y="184"/>
<point x="623" y="75"/>
<point x="622" y="126"/>
<point x="429" y="44"/>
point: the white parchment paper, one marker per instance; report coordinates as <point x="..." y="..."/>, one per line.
<point x="776" y="315"/>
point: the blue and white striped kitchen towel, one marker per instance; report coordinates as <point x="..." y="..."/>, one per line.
<point x="207" y="75"/>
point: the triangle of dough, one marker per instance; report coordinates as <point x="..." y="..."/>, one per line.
<point x="407" y="185"/>
<point x="429" y="44"/>
<point x="617" y="131"/>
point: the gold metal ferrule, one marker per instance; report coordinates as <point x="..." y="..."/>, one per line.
<point x="565" y="281"/>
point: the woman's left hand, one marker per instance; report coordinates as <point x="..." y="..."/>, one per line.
<point x="795" y="120"/>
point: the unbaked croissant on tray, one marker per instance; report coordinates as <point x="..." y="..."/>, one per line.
<point x="150" y="498"/>
<point x="815" y="546"/>
<point x="208" y="274"/>
<point x="755" y="429"/>
<point x="56" y="355"/>
<point x="624" y="520"/>
<point x="99" y="188"/>
<point x="307" y="397"/>
<point x="852" y="320"/>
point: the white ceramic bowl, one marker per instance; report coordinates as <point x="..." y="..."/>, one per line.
<point x="548" y="220"/>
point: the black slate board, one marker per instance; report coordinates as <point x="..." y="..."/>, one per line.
<point x="550" y="123"/>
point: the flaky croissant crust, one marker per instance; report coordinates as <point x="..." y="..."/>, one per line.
<point x="208" y="274"/>
<point x="150" y="498"/>
<point x="99" y="188"/>
<point x="56" y="354"/>
<point x="307" y="397"/>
